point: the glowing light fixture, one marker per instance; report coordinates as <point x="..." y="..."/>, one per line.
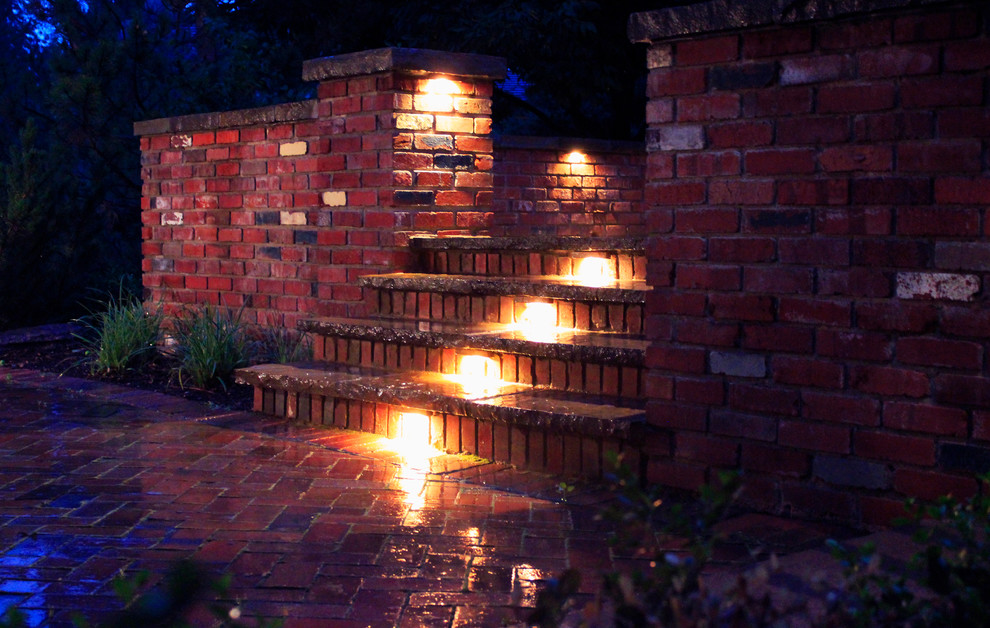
<point x="413" y="441"/>
<point x="538" y="322"/>
<point x="477" y="375"/>
<point x="438" y="95"/>
<point x="477" y="367"/>
<point x="575" y="157"/>
<point x="595" y="271"/>
<point x="441" y="86"/>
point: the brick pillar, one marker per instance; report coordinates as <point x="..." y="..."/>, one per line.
<point x="409" y="151"/>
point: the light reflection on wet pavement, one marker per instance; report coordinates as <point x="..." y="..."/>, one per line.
<point x="117" y="481"/>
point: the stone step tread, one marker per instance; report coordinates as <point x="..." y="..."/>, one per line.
<point x="561" y="344"/>
<point x="530" y="243"/>
<point x="625" y="291"/>
<point x="515" y="404"/>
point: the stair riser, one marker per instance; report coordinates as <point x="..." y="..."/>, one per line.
<point x="584" y="316"/>
<point x="571" y="376"/>
<point x="527" y="264"/>
<point x="568" y="455"/>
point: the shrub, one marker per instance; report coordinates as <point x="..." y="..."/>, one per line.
<point x="673" y="545"/>
<point x="210" y="343"/>
<point x="948" y="586"/>
<point x="951" y="574"/>
<point x="121" y="335"/>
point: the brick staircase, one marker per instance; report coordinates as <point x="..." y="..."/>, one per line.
<point x="555" y="400"/>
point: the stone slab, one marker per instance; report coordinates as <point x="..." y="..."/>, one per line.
<point x="507" y="403"/>
<point x="629" y="291"/>
<point x="585" y="346"/>
<point x="411" y="60"/>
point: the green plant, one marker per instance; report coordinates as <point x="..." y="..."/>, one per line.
<point x="673" y="545"/>
<point x="121" y="335"/>
<point x="950" y="576"/>
<point x="210" y="343"/>
<point x="279" y="344"/>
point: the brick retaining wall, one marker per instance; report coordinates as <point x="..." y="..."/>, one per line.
<point x="818" y="193"/>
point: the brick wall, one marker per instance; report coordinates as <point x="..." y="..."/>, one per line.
<point x="281" y="209"/>
<point x="575" y="187"/>
<point x="819" y="195"/>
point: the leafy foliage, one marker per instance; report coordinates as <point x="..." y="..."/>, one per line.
<point x="210" y="343"/>
<point x="951" y="575"/>
<point x="947" y="586"/>
<point x="673" y="546"/>
<point x="120" y="335"/>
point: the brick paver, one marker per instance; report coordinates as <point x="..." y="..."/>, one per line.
<point x="319" y="527"/>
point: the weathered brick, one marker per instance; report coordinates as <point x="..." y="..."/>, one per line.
<point x="850" y="472"/>
<point x="889" y="381"/>
<point x="962" y="390"/>
<point x="840" y="408"/>
<point x="926" y="418"/>
<point x="815" y="436"/>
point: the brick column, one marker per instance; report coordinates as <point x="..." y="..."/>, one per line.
<point x="408" y="134"/>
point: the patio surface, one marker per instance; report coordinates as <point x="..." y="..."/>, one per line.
<point x="319" y="527"/>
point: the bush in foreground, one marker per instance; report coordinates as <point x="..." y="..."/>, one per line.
<point x="948" y="584"/>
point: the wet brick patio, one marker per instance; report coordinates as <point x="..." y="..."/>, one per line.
<point x="320" y="527"/>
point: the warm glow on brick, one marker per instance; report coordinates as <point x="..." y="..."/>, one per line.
<point x="414" y="427"/>
<point x="413" y="440"/>
<point x="441" y="86"/>
<point x="538" y="322"/>
<point x="478" y="367"/>
<point x="438" y="95"/>
<point x="595" y="271"/>
<point x="575" y="157"/>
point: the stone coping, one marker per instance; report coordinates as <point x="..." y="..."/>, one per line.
<point x="285" y="112"/>
<point x="568" y="144"/>
<point x="629" y="291"/>
<point x="571" y="345"/>
<point x="538" y="243"/>
<point x="722" y="15"/>
<point x="410" y="60"/>
<point x="515" y="404"/>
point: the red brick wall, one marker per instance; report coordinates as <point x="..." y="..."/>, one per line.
<point x="819" y="196"/>
<point x="280" y="210"/>
<point x="539" y="190"/>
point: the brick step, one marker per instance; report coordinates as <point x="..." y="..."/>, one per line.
<point x="528" y="256"/>
<point x="617" y="307"/>
<point x="601" y="363"/>
<point x="526" y="426"/>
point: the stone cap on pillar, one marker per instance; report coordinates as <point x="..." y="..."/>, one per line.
<point x="410" y="60"/>
<point x="722" y="15"/>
